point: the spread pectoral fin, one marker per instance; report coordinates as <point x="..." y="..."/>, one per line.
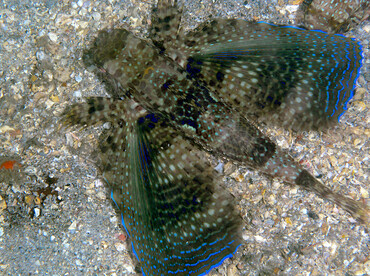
<point x="261" y="69"/>
<point x="180" y="220"/>
<point x="178" y="217"/>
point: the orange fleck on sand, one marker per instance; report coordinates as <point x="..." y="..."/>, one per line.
<point x="9" y="165"/>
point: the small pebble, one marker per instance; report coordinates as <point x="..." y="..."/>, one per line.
<point x="220" y="167"/>
<point x="122" y="237"/>
<point x="119" y="246"/>
<point x="96" y="16"/>
<point x="364" y="193"/>
<point x="40" y="55"/>
<point x="271" y="199"/>
<point x="73" y="226"/>
<point x="62" y="75"/>
<point x="37" y="212"/>
<point x="2" y="204"/>
<point x="292" y="8"/>
<point x="101" y="195"/>
<point x="107" y="125"/>
<point x="54" y="98"/>
<point x="77" y="94"/>
<point x="78" y="78"/>
<point x="48" y="75"/>
<point x="260" y="239"/>
<point x="104" y="244"/>
<point x="99" y="183"/>
<point x="53" y="37"/>
<point x="16" y="189"/>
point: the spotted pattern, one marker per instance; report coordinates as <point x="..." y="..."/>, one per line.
<point x="165" y="24"/>
<point x="334" y="16"/>
<point x="179" y="219"/>
<point x="183" y="95"/>
<point x="283" y="75"/>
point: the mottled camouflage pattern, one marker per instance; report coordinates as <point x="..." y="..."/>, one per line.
<point x="333" y="16"/>
<point x="183" y="95"/>
<point x="172" y="205"/>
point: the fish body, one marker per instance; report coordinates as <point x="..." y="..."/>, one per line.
<point x="178" y="96"/>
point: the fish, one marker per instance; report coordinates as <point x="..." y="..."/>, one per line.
<point x="176" y="97"/>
